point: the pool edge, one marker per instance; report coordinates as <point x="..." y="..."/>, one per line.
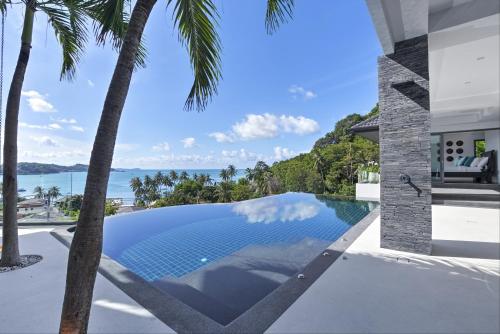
<point x="182" y="318"/>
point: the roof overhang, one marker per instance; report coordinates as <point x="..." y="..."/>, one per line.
<point x="367" y="128"/>
<point x="399" y="20"/>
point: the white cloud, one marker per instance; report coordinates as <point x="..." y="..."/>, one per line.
<point x="59" y="157"/>
<point x="47" y="141"/>
<point x="257" y="126"/>
<point x="188" y="142"/>
<point x="66" y="120"/>
<point x="267" y="211"/>
<point x="90" y="83"/>
<point x="240" y="156"/>
<point x="298" y="91"/>
<point x="244" y="155"/>
<point x="299" y="125"/>
<point x="38" y="102"/>
<point x="165" y="147"/>
<point x="53" y="126"/>
<point x="221" y="137"/>
<point x="76" y="128"/>
<point x="268" y="126"/>
<point x="126" y="147"/>
<point x="229" y="154"/>
<point x="281" y="153"/>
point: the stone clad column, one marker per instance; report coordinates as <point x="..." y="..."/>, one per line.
<point x="404" y="129"/>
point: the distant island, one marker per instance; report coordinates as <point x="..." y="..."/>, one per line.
<point x="30" y="168"/>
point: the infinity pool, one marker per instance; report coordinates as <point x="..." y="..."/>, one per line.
<point x="221" y="259"/>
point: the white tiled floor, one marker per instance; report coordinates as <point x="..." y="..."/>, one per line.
<point x="31" y="298"/>
<point x="372" y="291"/>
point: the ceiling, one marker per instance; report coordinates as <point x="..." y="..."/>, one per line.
<point x="464" y="70"/>
<point x="439" y="5"/>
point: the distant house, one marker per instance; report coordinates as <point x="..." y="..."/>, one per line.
<point x="33" y="205"/>
<point x="439" y="118"/>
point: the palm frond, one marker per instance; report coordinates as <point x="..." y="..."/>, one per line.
<point x="196" y="21"/>
<point x="3" y="6"/>
<point x="110" y="19"/>
<point x="68" y="21"/>
<point x="278" y="12"/>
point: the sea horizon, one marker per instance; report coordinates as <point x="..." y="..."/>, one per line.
<point x="72" y="183"/>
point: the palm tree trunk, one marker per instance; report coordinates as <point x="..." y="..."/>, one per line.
<point x="86" y="247"/>
<point x="10" y="247"/>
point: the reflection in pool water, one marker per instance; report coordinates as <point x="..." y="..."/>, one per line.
<point x="252" y="246"/>
<point x="259" y="211"/>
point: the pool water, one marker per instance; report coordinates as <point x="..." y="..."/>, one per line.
<point x="223" y="258"/>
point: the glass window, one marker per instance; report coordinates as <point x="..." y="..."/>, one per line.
<point x="479" y="147"/>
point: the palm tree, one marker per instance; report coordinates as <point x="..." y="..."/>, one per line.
<point x="223" y="191"/>
<point x="167" y="182"/>
<point x="158" y="181"/>
<point x="173" y="176"/>
<point x="53" y="193"/>
<point x="184" y="176"/>
<point x="151" y="192"/>
<point x="231" y="171"/>
<point x="319" y="165"/>
<point x="137" y="187"/>
<point x="224" y="175"/>
<point x="201" y="179"/>
<point x="39" y="192"/>
<point x="196" y="21"/>
<point x="249" y="174"/>
<point x="208" y="179"/>
<point x="68" y="23"/>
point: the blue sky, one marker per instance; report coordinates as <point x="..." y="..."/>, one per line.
<point x="278" y="95"/>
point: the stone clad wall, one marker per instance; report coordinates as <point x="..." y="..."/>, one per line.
<point x="404" y="129"/>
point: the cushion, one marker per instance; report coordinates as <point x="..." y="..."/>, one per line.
<point x="483" y="162"/>
<point x="459" y="161"/>
<point x="468" y="161"/>
<point x="475" y="162"/>
<point x="465" y="162"/>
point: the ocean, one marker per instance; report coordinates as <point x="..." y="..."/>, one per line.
<point x="118" y="185"/>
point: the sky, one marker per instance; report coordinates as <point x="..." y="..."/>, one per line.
<point x="278" y="95"/>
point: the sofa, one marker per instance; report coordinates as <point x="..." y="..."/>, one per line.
<point x="482" y="170"/>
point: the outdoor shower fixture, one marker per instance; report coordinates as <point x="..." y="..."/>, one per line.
<point x="406" y="179"/>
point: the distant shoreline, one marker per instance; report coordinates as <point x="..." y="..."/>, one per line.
<point x="35" y="168"/>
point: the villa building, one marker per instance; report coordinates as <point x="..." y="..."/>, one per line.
<point x="439" y="102"/>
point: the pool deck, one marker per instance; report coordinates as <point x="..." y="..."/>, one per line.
<point x="367" y="290"/>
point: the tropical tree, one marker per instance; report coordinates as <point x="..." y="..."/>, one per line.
<point x="249" y="174"/>
<point x="53" y="193"/>
<point x="67" y="21"/>
<point x="184" y="176"/>
<point x="224" y="175"/>
<point x="319" y="165"/>
<point x="173" y="176"/>
<point x="224" y="191"/>
<point x="158" y="181"/>
<point x="39" y="192"/>
<point x="196" y="21"/>
<point x="137" y="187"/>
<point x="167" y="182"/>
<point x="231" y="172"/>
<point x="208" y="180"/>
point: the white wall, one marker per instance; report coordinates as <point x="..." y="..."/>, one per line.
<point x="468" y="146"/>
<point x="368" y="191"/>
<point x="492" y="138"/>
